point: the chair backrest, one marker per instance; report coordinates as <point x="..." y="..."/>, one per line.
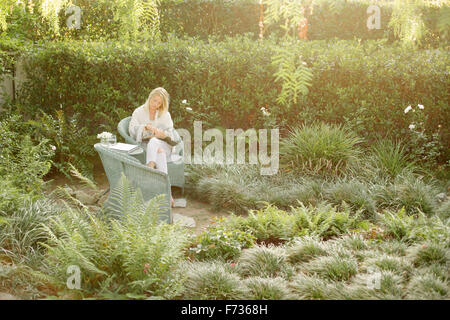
<point x="122" y="127"/>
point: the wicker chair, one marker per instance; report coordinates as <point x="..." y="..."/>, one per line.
<point x="151" y="182"/>
<point x="174" y="168"/>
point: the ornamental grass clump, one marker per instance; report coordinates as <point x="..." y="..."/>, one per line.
<point x="430" y="253"/>
<point x="210" y="281"/>
<point x="408" y="191"/>
<point x="309" y="287"/>
<point x="355" y="194"/>
<point x="354" y="242"/>
<point x="305" y="249"/>
<point x="383" y="285"/>
<point x="390" y="158"/>
<point x="428" y="287"/>
<point x="384" y="262"/>
<point x="258" y="288"/>
<point x="264" y="262"/>
<point x="320" y="149"/>
<point x="21" y="233"/>
<point x="335" y="267"/>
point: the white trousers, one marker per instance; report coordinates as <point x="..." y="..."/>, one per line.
<point x="160" y="158"/>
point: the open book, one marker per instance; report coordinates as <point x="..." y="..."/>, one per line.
<point x="170" y="137"/>
<point x="125" y="147"/>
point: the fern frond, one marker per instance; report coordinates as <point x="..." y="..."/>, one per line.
<point x="124" y="198"/>
<point x="64" y="195"/>
<point x="88" y="182"/>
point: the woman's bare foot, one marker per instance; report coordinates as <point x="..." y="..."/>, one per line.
<point x="172" y="202"/>
<point x="151" y="164"/>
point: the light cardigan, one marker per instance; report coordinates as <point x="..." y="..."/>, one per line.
<point x="141" y="117"/>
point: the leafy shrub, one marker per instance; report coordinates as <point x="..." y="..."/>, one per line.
<point x="324" y="221"/>
<point x="23" y="161"/>
<point x="131" y="257"/>
<point x="424" y="144"/>
<point x="267" y="225"/>
<point x="220" y="243"/>
<point x="210" y="281"/>
<point x="320" y="149"/>
<point x="273" y="226"/>
<point x="243" y="67"/>
<point x="12" y="198"/>
<point x="72" y="143"/>
<point x="406" y="228"/>
<point x="326" y="20"/>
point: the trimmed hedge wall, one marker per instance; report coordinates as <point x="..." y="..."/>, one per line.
<point x="365" y="85"/>
<point x="340" y="19"/>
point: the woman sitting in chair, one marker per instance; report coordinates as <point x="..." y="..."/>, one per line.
<point x="152" y="122"/>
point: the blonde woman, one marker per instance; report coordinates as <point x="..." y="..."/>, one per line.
<point x="153" y="120"/>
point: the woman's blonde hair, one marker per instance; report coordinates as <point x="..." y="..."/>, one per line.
<point x="165" y="100"/>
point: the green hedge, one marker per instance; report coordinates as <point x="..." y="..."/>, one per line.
<point x="366" y="85"/>
<point x="9" y="49"/>
<point x="329" y="19"/>
<point x="203" y="18"/>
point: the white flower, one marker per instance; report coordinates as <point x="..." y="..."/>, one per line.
<point x="188" y="109"/>
<point x="104" y="135"/>
<point x="421" y="106"/>
<point x="408" y="108"/>
<point x="411" y="126"/>
<point x="53" y="147"/>
<point x="184" y="101"/>
<point x="265" y="112"/>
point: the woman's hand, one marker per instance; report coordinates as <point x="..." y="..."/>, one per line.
<point x="159" y="133"/>
<point x="148" y="127"/>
